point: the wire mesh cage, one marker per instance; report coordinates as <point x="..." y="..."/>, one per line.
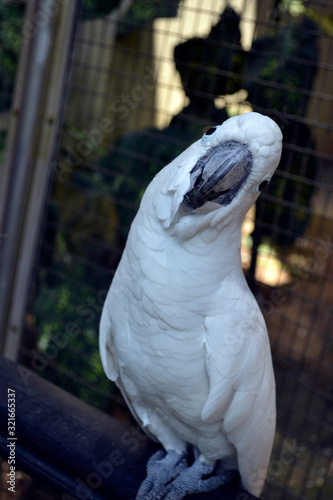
<point x="11" y="20"/>
<point x="145" y="79"/>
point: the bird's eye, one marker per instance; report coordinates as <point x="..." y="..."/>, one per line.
<point x="262" y="185"/>
<point x="210" y="131"/>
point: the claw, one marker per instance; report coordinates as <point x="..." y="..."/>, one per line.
<point x="162" y="468"/>
<point x="169" y="477"/>
<point x="194" y="480"/>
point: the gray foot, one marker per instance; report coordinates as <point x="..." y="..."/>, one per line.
<point x="162" y="468"/>
<point x="171" y="478"/>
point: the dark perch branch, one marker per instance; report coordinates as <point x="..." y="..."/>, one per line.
<point x="80" y="451"/>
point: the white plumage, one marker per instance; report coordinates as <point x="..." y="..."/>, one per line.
<point x="181" y="334"/>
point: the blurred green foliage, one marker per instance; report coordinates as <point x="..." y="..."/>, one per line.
<point x="98" y="8"/>
<point x="2" y="145"/>
<point x="145" y="11"/>
<point x="140" y="12"/>
<point x="67" y="318"/>
<point x="11" y="22"/>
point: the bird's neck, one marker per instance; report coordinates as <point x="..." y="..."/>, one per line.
<point x="212" y="238"/>
<point x="214" y="254"/>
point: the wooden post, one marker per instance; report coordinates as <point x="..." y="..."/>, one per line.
<point x="46" y="40"/>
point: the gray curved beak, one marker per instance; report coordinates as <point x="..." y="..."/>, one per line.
<point x="218" y="175"/>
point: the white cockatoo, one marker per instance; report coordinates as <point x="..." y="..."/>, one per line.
<point x="181" y="334"/>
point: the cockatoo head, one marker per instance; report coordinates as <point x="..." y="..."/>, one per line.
<point x="240" y="156"/>
<point x="222" y="174"/>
